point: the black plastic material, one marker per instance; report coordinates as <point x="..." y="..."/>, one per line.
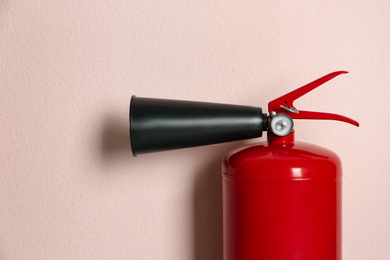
<point x="162" y="124"/>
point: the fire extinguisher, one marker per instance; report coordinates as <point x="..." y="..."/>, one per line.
<point x="281" y="198"/>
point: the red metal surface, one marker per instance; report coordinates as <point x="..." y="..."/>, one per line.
<point x="281" y="201"/>
<point x="288" y="100"/>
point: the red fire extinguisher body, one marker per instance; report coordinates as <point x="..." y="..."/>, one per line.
<point x="281" y="201"/>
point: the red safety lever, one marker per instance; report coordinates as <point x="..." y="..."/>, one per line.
<point x="284" y="104"/>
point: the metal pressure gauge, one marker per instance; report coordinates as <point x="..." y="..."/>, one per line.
<point x="281" y="124"/>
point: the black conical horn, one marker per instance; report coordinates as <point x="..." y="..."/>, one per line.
<point x="162" y="124"/>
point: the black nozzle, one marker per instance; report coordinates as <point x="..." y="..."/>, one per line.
<point x="162" y="124"/>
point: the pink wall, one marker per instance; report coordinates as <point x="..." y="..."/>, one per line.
<point x="69" y="188"/>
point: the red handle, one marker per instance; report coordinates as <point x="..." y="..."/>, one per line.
<point x="284" y="104"/>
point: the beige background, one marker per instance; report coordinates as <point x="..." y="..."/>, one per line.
<point x="69" y="188"/>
